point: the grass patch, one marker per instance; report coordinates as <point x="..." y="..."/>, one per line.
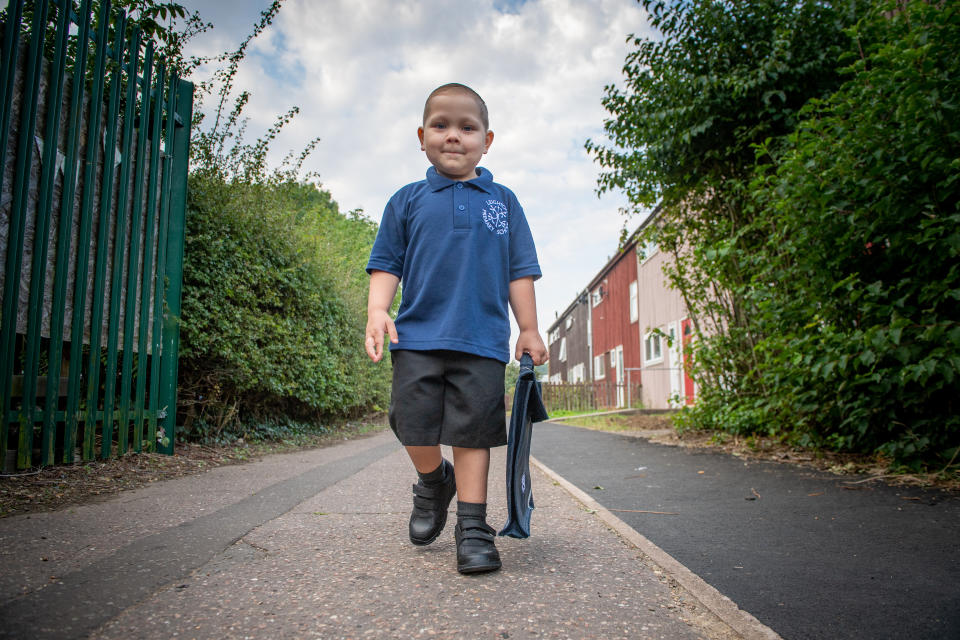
<point x="566" y="413"/>
<point x="617" y="422"/>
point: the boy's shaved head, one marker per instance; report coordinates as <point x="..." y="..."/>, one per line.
<point x="456" y="87"/>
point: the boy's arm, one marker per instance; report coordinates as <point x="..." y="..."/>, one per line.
<point x="523" y="301"/>
<point x="383" y="288"/>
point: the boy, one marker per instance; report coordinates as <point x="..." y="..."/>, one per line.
<point x="461" y="246"/>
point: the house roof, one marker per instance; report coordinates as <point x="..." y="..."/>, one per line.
<point x="578" y="299"/>
<point x="629" y="245"/>
<point x="617" y="257"/>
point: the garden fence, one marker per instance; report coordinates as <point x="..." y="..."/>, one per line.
<point x="95" y="134"/>
<point x="598" y="395"/>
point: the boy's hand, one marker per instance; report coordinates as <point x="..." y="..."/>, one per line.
<point x="383" y="288"/>
<point x="531" y="342"/>
<point x="379" y="323"/>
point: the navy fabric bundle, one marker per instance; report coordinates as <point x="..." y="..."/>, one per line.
<point x="527" y="409"/>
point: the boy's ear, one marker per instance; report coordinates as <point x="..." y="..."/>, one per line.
<point x="420" y="136"/>
<point x="487" y="141"/>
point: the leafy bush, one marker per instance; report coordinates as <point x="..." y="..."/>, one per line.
<point x="273" y="307"/>
<point x="274" y="292"/>
<point x="821" y="268"/>
<point x="863" y="218"/>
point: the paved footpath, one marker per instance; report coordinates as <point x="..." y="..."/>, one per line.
<point x="313" y="545"/>
<point x="813" y="555"/>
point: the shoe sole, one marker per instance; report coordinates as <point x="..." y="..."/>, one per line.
<point x="484" y="568"/>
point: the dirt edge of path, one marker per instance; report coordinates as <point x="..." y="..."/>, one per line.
<point x="56" y="487"/>
<point x="658" y="428"/>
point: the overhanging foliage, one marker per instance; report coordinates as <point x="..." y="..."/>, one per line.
<point x="806" y="156"/>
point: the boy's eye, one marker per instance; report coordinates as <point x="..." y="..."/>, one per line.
<point x="468" y="127"/>
<point x="439" y="125"/>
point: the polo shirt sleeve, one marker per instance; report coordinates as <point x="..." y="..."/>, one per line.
<point x="390" y="247"/>
<point x="523" y="253"/>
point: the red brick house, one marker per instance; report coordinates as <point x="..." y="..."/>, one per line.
<point x="614" y="308"/>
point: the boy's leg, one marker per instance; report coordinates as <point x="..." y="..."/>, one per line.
<point x="416" y="414"/>
<point x="472" y="467"/>
<point x="476" y="551"/>
<point x="425" y="459"/>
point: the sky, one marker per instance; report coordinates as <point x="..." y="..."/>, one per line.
<point x="360" y="70"/>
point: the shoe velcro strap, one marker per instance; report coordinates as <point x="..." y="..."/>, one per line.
<point x="428" y="504"/>
<point x="476" y="529"/>
<point x="478" y="534"/>
<point x="429" y="492"/>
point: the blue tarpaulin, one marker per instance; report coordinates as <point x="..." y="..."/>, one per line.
<point x="527" y="409"/>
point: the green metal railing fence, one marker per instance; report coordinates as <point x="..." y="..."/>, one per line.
<point x="92" y="203"/>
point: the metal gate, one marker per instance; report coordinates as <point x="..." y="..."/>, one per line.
<point x="94" y="134"/>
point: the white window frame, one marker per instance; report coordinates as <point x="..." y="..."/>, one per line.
<point x="577" y="373"/>
<point x="634" y="302"/>
<point x="599" y="370"/>
<point x="563" y="349"/>
<point x="568" y="323"/>
<point x="618" y="373"/>
<point x="556" y="378"/>
<point x="652" y="348"/>
<point x="675" y="366"/>
<point x="647" y="251"/>
<point x="596" y="298"/>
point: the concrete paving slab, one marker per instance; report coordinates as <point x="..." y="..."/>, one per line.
<point x="339" y="565"/>
<point x="37" y="548"/>
<point x="89" y="596"/>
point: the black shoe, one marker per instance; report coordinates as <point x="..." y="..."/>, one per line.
<point x="476" y="552"/>
<point x="430" y="504"/>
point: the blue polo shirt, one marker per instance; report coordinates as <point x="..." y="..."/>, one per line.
<point x="455" y="246"/>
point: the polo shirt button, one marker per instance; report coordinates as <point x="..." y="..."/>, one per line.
<point x="461" y="207"/>
<point x="459" y="185"/>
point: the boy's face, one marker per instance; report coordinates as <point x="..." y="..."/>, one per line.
<point x="453" y="135"/>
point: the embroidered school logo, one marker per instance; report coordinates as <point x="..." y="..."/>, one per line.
<point x="495" y="217"/>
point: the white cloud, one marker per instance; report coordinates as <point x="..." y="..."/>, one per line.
<point x="360" y="71"/>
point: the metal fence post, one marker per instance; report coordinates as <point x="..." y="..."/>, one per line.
<point x="174" y="267"/>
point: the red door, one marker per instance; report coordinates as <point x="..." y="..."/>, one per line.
<point x="686" y="327"/>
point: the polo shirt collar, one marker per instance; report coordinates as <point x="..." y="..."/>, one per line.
<point x="484" y="181"/>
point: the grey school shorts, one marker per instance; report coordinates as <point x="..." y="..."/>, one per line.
<point x="447" y="397"/>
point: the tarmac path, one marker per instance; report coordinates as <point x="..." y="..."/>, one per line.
<point x="313" y="544"/>
<point x="810" y="554"/>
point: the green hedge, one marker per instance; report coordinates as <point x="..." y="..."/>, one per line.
<point x="807" y="159"/>
<point x="273" y="308"/>
<point x="853" y="274"/>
